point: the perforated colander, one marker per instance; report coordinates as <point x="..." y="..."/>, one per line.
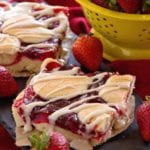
<point x="124" y="36"/>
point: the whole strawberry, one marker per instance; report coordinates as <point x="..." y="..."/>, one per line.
<point x="56" y="141"/>
<point x="88" y="51"/>
<point x="130" y="6"/>
<point x="143" y="119"/>
<point x="8" y="85"/>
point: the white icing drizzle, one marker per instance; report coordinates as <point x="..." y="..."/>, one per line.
<point x="46" y="76"/>
<point x="41" y="45"/>
<point x="77" y="106"/>
<point x="94" y="113"/>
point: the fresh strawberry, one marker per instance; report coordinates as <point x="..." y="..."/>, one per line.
<point x="88" y="51"/>
<point x="143" y="119"/>
<point x="56" y="141"/>
<point x="130" y="6"/>
<point x="8" y="85"/>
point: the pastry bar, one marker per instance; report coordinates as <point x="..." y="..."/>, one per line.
<point x="29" y="33"/>
<point x="85" y="108"/>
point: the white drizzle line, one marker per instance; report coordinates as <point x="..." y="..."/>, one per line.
<point x="46" y="76"/>
<point x="41" y="45"/>
<point x="93" y="113"/>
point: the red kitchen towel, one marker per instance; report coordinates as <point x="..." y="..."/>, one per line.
<point x="139" y="68"/>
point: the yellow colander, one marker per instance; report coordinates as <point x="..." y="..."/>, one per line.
<point x="124" y="36"/>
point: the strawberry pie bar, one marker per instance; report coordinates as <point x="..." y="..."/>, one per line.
<point x="29" y="33"/>
<point x="88" y="109"/>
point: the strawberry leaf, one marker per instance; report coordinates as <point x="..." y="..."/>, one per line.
<point x="39" y="142"/>
<point x="44" y="141"/>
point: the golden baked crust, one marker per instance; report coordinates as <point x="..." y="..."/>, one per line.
<point x="110" y="116"/>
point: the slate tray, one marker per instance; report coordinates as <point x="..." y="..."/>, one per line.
<point x="128" y="140"/>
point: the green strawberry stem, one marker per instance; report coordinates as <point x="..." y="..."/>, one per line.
<point x="39" y="142"/>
